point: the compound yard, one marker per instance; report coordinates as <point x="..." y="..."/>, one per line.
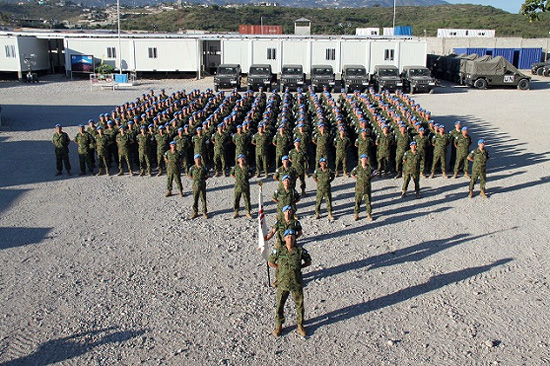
<point x="107" y="271"/>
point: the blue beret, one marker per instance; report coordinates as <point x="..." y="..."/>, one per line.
<point x="297" y="140"/>
<point x="457" y="123"/>
<point x="284" y="158"/>
<point x="180" y="129"/>
<point x="286" y="208"/>
<point x="151" y="125"/>
<point x="130" y="122"/>
<point x="363" y="130"/>
<point x="300" y="125"/>
<point x="322" y="160"/>
<point x="143" y="115"/>
<point x="480" y="141"/>
<point x="285" y="177"/>
<point x="417" y="124"/>
<point x="121" y="128"/>
<point x="57" y="125"/>
<point x="90" y="120"/>
<point x="199" y="128"/>
<point x="185" y="126"/>
<point x="421" y="129"/>
<point x="465" y="128"/>
<point x="99" y="128"/>
<point x="412" y="143"/>
<point x="289" y="232"/>
<point x="81" y="125"/>
<point x="241" y="156"/>
<point x="441" y="126"/>
<point x="363" y="156"/>
<point x="385" y="126"/>
<point x="197" y="156"/>
<point x="172" y="142"/>
<point x="239" y="126"/>
<point x="142" y="128"/>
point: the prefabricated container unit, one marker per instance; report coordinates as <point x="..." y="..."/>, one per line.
<point x="260" y="29"/>
<point x="297" y="51"/>
<point x="326" y="52"/>
<point x="465" y="33"/>
<point x="354" y="52"/>
<point x="388" y="31"/>
<point x="237" y="51"/>
<point x="367" y="31"/>
<point x="267" y="51"/>
<point x="139" y="54"/>
<point x="14" y="50"/>
<point x="403" y="30"/>
<point x="522" y="58"/>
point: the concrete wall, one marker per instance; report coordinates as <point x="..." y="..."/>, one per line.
<point x="444" y="46"/>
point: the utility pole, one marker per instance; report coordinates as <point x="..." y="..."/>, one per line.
<point x="394" y="1"/>
<point x="119" y="55"/>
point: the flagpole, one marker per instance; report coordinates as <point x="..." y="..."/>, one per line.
<point x="261" y="231"/>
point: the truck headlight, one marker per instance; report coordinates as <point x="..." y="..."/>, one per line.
<point x="399" y="84"/>
<point x="431" y="83"/>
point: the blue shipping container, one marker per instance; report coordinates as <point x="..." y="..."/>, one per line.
<point x="403" y="30"/>
<point x="528" y="56"/>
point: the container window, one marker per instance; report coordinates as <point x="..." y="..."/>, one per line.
<point x="271" y="53"/>
<point x="330" y="54"/>
<point x="111" y="52"/>
<point x="153" y="52"/>
<point x="389" y="55"/>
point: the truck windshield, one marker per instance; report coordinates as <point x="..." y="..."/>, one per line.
<point x="227" y="70"/>
<point x="322" y="71"/>
<point x="419" y="72"/>
<point x="292" y="71"/>
<point x="355" y="72"/>
<point x="388" y="72"/>
<point x="259" y="70"/>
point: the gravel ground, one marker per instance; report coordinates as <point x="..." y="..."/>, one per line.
<point x="106" y="270"/>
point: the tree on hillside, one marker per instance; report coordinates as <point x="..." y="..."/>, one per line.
<point x="532" y="8"/>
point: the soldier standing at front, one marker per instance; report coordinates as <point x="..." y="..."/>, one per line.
<point x="298" y="158"/>
<point x="144" y="147"/>
<point x="323" y="176"/>
<point x="479" y="157"/>
<point x="462" y="144"/>
<point x="362" y="173"/>
<point x="102" y="147"/>
<point x="342" y="143"/>
<point x="84" y="141"/>
<point x="61" y="141"/>
<point x="440" y="142"/>
<point x="411" y="169"/>
<point x="123" y="142"/>
<point x="241" y="173"/>
<point x="173" y="160"/>
<point x="199" y="174"/>
<point x="289" y="261"/>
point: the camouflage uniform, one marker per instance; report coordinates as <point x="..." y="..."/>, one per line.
<point x="299" y="162"/>
<point x="322" y="141"/>
<point x="422" y="148"/>
<point x="440" y="143"/>
<point x="61" y="143"/>
<point x="199" y="175"/>
<point x="84" y="141"/>
<point x="281" y="225"/>
<point x="261" y="142"/>
<point x="102" y="148"/>
<point x="412" y="170"/>
<point x="124" y="141"/>
<point x="323" y="177"/>
<point x="290" y="171"/>
<point x="403" y="141"/>
<point x="342" y="144"/>
<point x="383" y="143"/>
<point x="241" y="145"/>
<point x="173" y="169"/>
<point x="290" y="280"/>
<point x="242" y="186"/>
<point x="479" y="168"/>
<point x="285" y="198"/>
<point x="281" y="147"/>
<point x="462" y="147"/>
<point x="220" y="141"/>
<point x="144" y="151"/>
<point x="363" y="187"/>
<point x="162" y="145"/>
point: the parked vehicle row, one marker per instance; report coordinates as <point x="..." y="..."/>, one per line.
<point x="541" y="68"/>
<point x="353" y="77"/>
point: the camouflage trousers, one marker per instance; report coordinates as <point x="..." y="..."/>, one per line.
<point x="282" y="296"/>
<point x="219" y="161"/>
<point x="246" y="196"/>
<point x="407" y="178"/>
<point x="84" y="160"/>
<point x="383" y="162"/>
<point x="261" y="160"/>
<point x="399" y="160"/>
<point x="478" y="174"/>
<point x="124" y="157"/>
<point x="461" y="159"/>
<point x="144" y="162"/>
<point x="172" y="175"/>
<point x="439" y="158"/>
<point x="161" y="164"/>
<point x="199" y="192"/>
<point x="102" y="162"/>
<point x="359" y="197"/>
<point x="62" y="158"/>
<point x="327" y="195"/>
<point x="341" y="160"/>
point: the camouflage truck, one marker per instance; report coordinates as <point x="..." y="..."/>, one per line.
<point x="417" y="78"/>
<point x="495" y="72"/>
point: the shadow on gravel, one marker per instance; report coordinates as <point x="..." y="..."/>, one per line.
<point x="62" y="349"/>
<point x="413" y="253"/>
<point x="434" y="283"/>
<point x="11" y="237"/>
<point x="542" y="180"/>
<point x="8" y="196"/>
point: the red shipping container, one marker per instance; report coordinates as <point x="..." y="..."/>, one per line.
<point x="257" y="29"/>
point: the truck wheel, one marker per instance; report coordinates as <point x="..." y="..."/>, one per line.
<point x="540" y="71"/>
<point x="546" y="72"/>
<point x="480" y="84"/>
<point x="523" y="84"/>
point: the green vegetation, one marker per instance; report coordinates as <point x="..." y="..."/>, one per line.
<point x="533" y="8"/>
<point x="344" y="21"/>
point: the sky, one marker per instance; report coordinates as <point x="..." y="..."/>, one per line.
<point x="511" y="6"/>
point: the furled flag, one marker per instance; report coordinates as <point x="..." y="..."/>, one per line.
<point x="262" y="227"/>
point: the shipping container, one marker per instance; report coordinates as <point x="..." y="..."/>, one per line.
<point x="367" y="31"/>
<point x="403" y="30"/>
<point x="260" y="29"/>
<point x="522" y="58"/>
<point x="528" y="56"/>
<point x="465" y="33"/>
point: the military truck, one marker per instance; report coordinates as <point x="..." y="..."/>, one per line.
<point x="355" y="77"/>
<point x="292" y="77"/>
<point x="417" y="78"/>
<point x="538" y="68"/>
<point x="546" y="70"/>
<point x="228" y="75"/>
<point x="496" y="72"/>
<point x="386" y="77"/>
<point x="321" y="76"/>
<point x="259" y="75"/>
